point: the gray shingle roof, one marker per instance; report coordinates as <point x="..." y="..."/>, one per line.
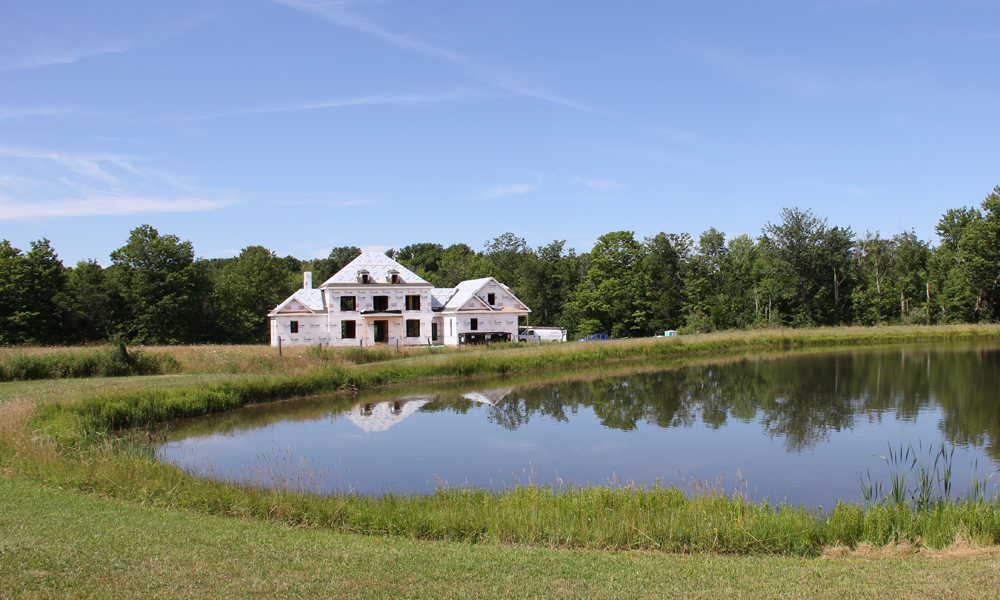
<point x="311" y="299"/>
<point x="378" y="266"/>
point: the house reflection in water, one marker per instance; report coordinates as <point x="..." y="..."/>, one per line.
<point x="490" y="397"/>
<point x="380" y="416"/>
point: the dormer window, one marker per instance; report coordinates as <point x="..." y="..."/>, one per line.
<point x="394" y="276"/>
<point x="364" y="276"/>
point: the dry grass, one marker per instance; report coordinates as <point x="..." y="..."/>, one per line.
<point x="14" y="415"/>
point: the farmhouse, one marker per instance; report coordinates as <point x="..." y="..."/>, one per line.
<point x="375" y="300"/>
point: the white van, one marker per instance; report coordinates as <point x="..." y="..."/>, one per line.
<point x="536" y="335"/>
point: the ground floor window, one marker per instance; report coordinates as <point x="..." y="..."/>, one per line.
<point x="413" y="328"/>
<point x="434" y="331"/>
<point x="474" y="324"/>
<point x="348" y="329"/>
<point x="293" y="326"/>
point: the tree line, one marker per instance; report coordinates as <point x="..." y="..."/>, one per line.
<point x="799" y="271"/>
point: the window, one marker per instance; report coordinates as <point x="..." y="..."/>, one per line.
<point x="413" y="328"/>
<point x="348" y="329"/>
<point x="491" y="298"/>
<point x="450" y="322"/>
<point x="365" y="278"/>
<point x="293" y="327"/>
<point x="413" y="303"/>
<point x="380" y="303"/>
<point x="474" y="324"/>
<point x="347" y="303"/>
<point x="434" y="331"/>
<point x="395" y="278"/>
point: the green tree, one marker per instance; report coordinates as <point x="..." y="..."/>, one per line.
<point x="321" y="268"/>
<point x="85" y="301"/>
<point x="423" y="259"/>
<point x="665" y="260"/>
<point x="245" y="291"/>
<point x="614" y="297"/>
<point x="160" y="293"/>
<point x="810" y="266"/>
<point x="28" y="286"/>
<point x="454" y="266"/>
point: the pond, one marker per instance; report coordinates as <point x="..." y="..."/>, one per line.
<point x="796" y="426"/>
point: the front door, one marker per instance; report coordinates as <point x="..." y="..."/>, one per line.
<point x="381" y="332"/>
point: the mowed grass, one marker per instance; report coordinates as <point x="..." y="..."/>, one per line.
<point x="58" y="543"/>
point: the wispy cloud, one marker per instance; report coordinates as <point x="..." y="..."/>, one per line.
<point x="786" y="73"/>
<point x="515" y="189"/>
<point x="44" y="183"/>
<point x="600" y="184"/>
<point x="56" y="56"/>
<point x="101" y="205"/>
<point x="341" y="12"/>
<point x="36" y="111"/>
<point x="411" y="99"/>
<point x="737" y="65"/>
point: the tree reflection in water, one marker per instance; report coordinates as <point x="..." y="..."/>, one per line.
<point x="799" y="398"/>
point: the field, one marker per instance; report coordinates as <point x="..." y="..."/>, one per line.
<point x="82" y="509"/>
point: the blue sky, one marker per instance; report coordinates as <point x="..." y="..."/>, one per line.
<point x="305" y="124"/>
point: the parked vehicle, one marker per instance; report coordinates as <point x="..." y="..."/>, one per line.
<point x="597" y="337"/>
<point x="537" y="335"/>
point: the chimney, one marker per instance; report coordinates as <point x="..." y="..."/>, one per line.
<point x="307" y="280"/>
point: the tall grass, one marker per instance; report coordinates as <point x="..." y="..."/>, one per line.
<point x="96" y="362"/>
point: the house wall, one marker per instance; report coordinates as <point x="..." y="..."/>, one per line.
<point x="312" y="330"/>
<point x="502" y="298"/>
<point x="489" y="322"/>
<point x="364" y="325"/>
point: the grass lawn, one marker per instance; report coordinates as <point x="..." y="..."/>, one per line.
<point x="57" y="543"/>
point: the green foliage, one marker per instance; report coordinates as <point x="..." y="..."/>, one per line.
<point x="29" y="284"/>
<point x="85" y="302"/>
<point x="159" y="291"/>
<point x="245" y="291"/>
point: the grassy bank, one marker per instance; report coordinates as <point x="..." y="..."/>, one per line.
<point x="57" y="543"/>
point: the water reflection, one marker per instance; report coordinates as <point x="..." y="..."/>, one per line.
<point x="800" y="424"/>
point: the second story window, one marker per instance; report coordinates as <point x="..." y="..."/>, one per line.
<point x="347" y="303"/>
<point x="491" y="298"/>
<point x="380" y="303"/>
<point x="474" y="324"/>
<point x="413" y="303"/>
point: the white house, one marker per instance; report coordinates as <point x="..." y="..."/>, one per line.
<point x="375" y="300"/>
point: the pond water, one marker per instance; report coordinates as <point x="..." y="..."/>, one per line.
<point x="794" y="426"/>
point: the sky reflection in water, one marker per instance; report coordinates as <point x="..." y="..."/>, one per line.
<point x="798" y="426"/>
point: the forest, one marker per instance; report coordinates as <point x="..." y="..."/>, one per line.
<point x="799" y="271"/>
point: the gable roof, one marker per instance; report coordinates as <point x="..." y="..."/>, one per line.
<point x="378" y="266"/>
<point x="468" y="290"/>
<point x="440" y="297"/>
<point x="312" y="299"/>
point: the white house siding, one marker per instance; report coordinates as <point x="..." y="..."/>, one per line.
<point x="364" y="324"/>
<point x="312" y="330"/>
